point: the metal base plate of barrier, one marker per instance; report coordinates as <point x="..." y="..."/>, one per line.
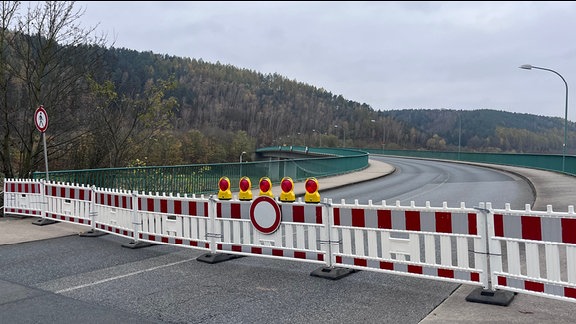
<point x="497" y="297"/>
<point x="44" y="221"/>
<point x="217" y="257"/>
<point x="136" y="245"/>
<point x="92" y="233"/>
<point x="332" y="273"/>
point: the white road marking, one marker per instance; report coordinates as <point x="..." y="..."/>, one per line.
<point x="122" y="276"/>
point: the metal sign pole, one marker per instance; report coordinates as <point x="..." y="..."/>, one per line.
<point x="41" y="121"/>
<point x="45" y="155"/>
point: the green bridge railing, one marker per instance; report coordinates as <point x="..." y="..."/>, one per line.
<point x="203" y="178"/>
<point x="296" y="162"/>
<point x="548" y="162"/>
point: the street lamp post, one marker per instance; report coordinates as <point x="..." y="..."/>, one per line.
<point x="459" y="132"/>
<point x="241" y="163"/>
<point x="530" y="67"/>
<point x="383" y="138"/>
<point x="344" y="131"/>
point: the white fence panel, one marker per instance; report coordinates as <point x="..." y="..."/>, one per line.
<point x="295" y="238"/>
<point x="113" y="210"/>
<point x="176" y="220"/>
<point x="23" y="197"/>
<point x="68" y="203"/>
<point x="540" y="250"/>
<point x="437" y="243"/>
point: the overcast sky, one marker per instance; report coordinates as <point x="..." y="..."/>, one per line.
<point x="389" y="55"/>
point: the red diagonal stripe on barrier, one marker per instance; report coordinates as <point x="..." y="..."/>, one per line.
<point x="498" y="225"/>
<point x="415" y="269"/>
<point x="570" y="292"/>
<point x="474" y="276"/>
<point x="336" y="216"/>
<point x="177" y="207"/>
<point x="192" y="208"/>
<point x="446" y="273"/>
<point x="360" y="262"/>
<point x="235" y="211"/>
<point x="384" y="219"/>
<point x="531" y="228"/>
<point x="300" y="255"/>
<point x="298" y="214"/>
<point x="568" y="230"/>
<point x="150" y="205"/>
<point x="534" y="286"/>
<point x="219" y="210"/>
<point x="358" y="217"/>
<point x="318" y="215"/>
<point x="386" y="265"/>
<point x="412" y="220"/>
<point x="472" y="229"/>
<point x="443" y="223"/>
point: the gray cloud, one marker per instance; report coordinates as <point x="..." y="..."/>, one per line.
<point x="389" y="55"/>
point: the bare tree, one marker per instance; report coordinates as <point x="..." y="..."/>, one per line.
<point x="126" y="125"/>
<point x="8" y="12"/>
<point x="50" y="54"/>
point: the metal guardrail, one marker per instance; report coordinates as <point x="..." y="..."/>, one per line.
<point x="296" y="162"/>
<point x="203" y="178"/>
<point x="548" y="162"/>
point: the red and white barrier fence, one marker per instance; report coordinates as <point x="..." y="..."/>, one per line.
<point x="415" y="241"/>
<point x="23" y="197"/>
<point x="534" y="252"/>
<point x="496" y="249"/>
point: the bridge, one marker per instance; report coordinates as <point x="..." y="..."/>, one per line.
<point x="359" y="227"/>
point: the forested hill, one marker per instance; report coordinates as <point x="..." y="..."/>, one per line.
<point x="485" y="130"/>
<point x="221" y="99"/>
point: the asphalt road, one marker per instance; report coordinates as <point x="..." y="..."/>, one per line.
<point x="437" y="182"/>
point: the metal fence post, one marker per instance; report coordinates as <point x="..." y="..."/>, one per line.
<point x="329" y="271"/>
<point x="491" y="259"/>
<point x="136" y="225"/>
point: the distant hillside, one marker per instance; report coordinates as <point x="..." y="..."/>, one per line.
<point x="223" y="99"/>
<point x="485" y="130"/>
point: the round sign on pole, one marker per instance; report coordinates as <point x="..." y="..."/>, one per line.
<point x="265" y="214"/>
<point x="41" y="119"/>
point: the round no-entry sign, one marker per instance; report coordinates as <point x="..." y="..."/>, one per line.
<point x="265" y="214"/>
<point x="41" y="119"/>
